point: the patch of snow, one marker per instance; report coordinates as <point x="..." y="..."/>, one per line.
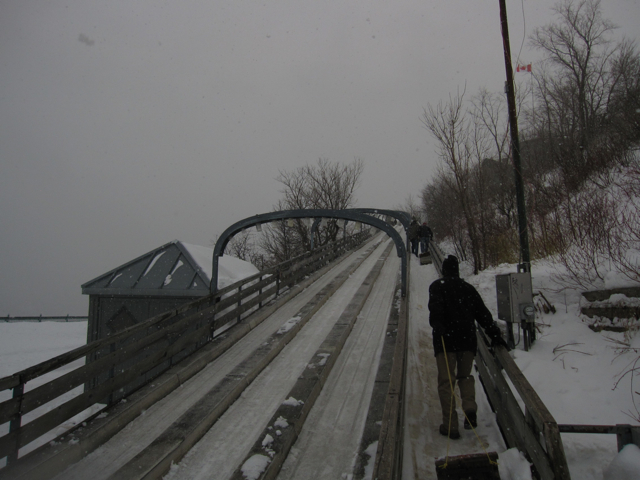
<point x="293" y="402"/>
<point x="617" y="299"/>
<point x="268" y="440"/>
<point x="513" y="465"/>
<point x="281" y="422"/>
<point x="371" y="453"/>
<point x="178" y="265"/>
<point x="288" y="325"/>
<point x="254" y="466"/>
<point x="230" y="269"/>
<point x="625" y="466"/>
<point x="153" y="262"/>
<point x="324" y="356"/>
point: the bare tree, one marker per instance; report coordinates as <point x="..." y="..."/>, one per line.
<point x="475" y="176"/>
<point x="412" y="208"/>
<point x="584" y="72"/>
<point x="583" y="132"/>
<point x="277" y="240"/>
<point x="450" y="126"/>
<point x="490" y="111"/>
<point x="325" y="185"/>
<point x="440" y="203"/>
<point x="240" y="245"/>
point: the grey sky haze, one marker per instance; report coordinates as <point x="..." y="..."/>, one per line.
<point x="125" y="125"/>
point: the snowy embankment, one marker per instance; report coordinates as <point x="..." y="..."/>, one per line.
<point x="578" y="374"/>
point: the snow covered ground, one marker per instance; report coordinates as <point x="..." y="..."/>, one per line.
<point x="577" y="373"/>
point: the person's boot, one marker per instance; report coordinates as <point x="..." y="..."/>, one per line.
<point x="453" y="434"/>
<point x="470" y="420"/>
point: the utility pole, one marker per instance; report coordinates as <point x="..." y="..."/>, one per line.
<point x="515" y="143"/>
<point x="528" y="323"/>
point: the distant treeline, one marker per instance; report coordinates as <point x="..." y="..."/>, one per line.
<point x="41" y="318"/>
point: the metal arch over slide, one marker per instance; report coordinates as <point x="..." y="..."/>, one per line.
<point x="402" y="217"/>
<point x="353" y="215"/>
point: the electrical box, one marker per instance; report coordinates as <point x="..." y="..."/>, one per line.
<point x="515" y="297"/>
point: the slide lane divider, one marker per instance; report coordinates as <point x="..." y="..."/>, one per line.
<point x="374" y="423"/>
<point x="268" y="454"/>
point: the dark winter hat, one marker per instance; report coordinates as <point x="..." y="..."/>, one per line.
<point x="450" y="267"/>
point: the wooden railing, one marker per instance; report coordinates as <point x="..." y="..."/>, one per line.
<point x="436" y="255"/>
<point x="123" y="362"/>
<point x="534" y="431"/>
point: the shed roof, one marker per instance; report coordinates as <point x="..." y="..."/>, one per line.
<point x="176" y="269"/>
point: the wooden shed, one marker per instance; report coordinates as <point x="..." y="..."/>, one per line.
<point x="160" y="280"/>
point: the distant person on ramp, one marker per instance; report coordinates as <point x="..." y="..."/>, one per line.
<point x="413" y="234"/>
<point x="454" y="307"/>
<point x="425" y="237"/>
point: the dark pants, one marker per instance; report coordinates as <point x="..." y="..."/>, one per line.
<point x="414" y="246"/>
<point x="460" y="365"/>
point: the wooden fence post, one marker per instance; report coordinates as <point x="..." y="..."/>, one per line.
<point x="15" y="423"/>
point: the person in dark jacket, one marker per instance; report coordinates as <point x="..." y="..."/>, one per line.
<point x="425" y="237"/>
<point x="412" y="233"/>
<point x="454" y="308"/>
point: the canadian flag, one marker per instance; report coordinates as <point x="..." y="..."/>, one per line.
<point x="523" y="68"/>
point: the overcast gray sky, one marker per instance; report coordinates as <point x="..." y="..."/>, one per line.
<point x="125" y="125"/>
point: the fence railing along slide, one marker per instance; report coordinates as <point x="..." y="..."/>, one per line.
<point x="118" y="365"/>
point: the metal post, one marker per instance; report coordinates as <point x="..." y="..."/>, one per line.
<point x="528" y="328"/>
<point x="515" y="142"/>
<point x="214" y="273"/>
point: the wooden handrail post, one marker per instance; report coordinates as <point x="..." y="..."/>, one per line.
<point x="16" y="422"/>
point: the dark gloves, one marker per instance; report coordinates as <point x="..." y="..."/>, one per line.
<point x="499" y="342"/>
